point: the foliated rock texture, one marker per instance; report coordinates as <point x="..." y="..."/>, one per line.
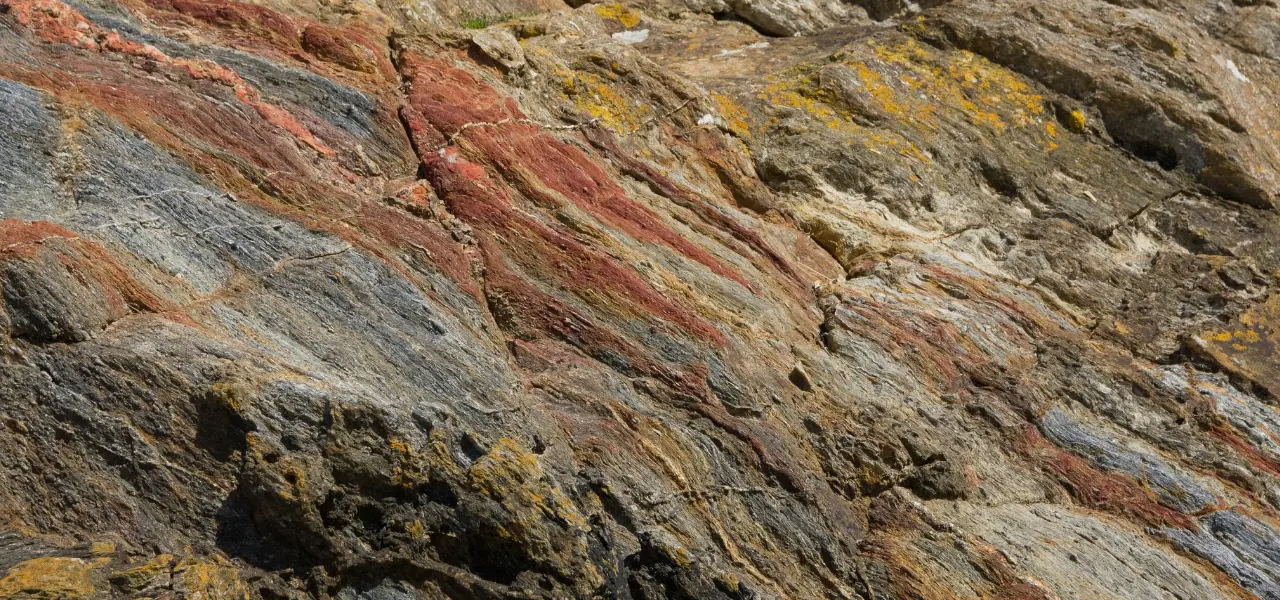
<point x="418" y="299"/>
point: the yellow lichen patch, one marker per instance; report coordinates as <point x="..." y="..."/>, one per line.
<point x="911" y="92"/>
<point x="886" y="96"/>
<point x="416" y="529"/>
<point x="507" y="466"/>
<point x="155" y="572"/>
<point x="894" y="142"/>
<point x="102" y="548"/>
<point x="50" y="579"/>
<point x="1076" y="121"/>
<point x="803" y="95"/>
<point x="916" y="84"/>
<point x="399" y="446"/>
<point x="921" y="91"/>
<point x="408" y="470"/>
<point x="512" y="475"/>
<point x="1249" y="347"/>
<point x="996" y="87"/>
<point x="1051" y="132"/>
<point x="679" y="556"/>
<point x="619" y="12"/>
<point x="209" y="580"/>
<point x="1247" y="336"/>
<point x="533" y="506"/>
<point x="789" y="95"/>
<point x="728" y="581"/>
<point x="733" y="114"/>
<point x="229" y="395"/>
<point x="600" y="100"/>
<point x="1224" y="336"/>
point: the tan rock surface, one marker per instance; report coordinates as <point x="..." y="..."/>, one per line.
<point x="498" y="299"/>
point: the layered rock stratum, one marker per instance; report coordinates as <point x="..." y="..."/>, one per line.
<point x="714" y="299"/>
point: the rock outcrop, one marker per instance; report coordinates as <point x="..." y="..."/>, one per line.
<point x="673" y="299"/>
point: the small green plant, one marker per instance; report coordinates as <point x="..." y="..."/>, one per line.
<point x="481" y="22"/>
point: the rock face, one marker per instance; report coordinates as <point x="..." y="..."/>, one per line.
<point x="674" y="299"/>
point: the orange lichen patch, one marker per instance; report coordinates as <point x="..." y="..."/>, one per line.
<point x="144" y="575"/>
<point x="1114" y="493"/>
<point x="885" y="95"/>
<point x="619" y="12"/>
<point x="229" y="396"/>
<point x="894" y="142"/>
<point x="1250" y="346"/>
<point x="803" y="93"/>
<point x="53" y="578"/>
<point x="210" y="578"/>
<point x="734" y="115"/>
<point x="57" y="22"/>
<point x="602" y="101"/>
<point x="408" y="471"/>
<point x="512" y="476"/>
<point x="929" y="81"/>
<point x="506" y="468"/>
<point x="1052" y="131"/>
<point x="1239" y="337"/>
<point x="917" y="91"/>
<point x="416" y="530"/>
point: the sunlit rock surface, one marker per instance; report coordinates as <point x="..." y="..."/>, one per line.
<point x="417" y="299"/>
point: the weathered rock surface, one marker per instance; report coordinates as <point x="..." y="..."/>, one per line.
<point x="680" y="299"/>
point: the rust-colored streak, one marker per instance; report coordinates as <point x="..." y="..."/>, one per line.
<point x="451" y="97"/>
<point x="539" y="164"/>
<point x="82" y="258"/>
<point x="472" y="196"/>
<point x="57" y="22"/>
<point x="664" y="186"/>
<point x="1112" y="493"/>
